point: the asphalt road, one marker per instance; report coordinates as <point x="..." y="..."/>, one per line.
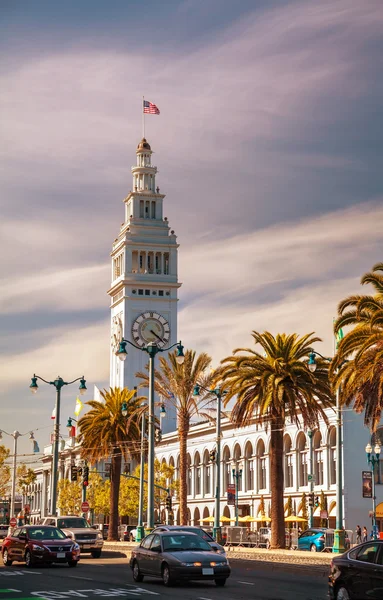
<point x="111" y="577"/>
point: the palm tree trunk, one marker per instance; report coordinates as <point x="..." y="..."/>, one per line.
<point x="115" y="477"/>
<point x="183" y="430"/>
<point x="276" y="484"/>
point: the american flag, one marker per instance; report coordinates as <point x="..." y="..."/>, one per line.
<point x="150" y="108"/>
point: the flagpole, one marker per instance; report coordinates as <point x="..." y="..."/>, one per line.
<point x="143" y="118"/>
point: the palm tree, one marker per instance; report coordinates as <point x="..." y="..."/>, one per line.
<point x="175" y="383"/>
<point x="271" y="387"/>
<point x="357" y="368"/>
<point x="104" y="432"/>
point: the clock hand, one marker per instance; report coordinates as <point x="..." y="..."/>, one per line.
<point x="157" y="336"/>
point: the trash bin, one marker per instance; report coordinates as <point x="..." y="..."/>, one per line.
<point x="381" y="535"/>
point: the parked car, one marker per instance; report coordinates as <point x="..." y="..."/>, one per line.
<point x="80" y="531"/>
<point x="358" y="573"/>
<point x="37" y="544"/>
<point x="197" y="530"/>
<point x="178" y="555"/>
<point x="312" y="539"/>
<point x="3" y="531"/>
<point x="127" y="533"/>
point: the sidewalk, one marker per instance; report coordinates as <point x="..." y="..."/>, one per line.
<point x="293" y="557"/>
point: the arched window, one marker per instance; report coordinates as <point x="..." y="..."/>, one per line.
<point x="261" y="465"/>
<point x="226" y="469"/>
<point x="302" y="459"/>
<point x="288" y="462"/>
<point x="189" y="475"/>
<point x="332" y="455"/>
<point x="318" y="458"/>
<point x="207" y="473"/>
<point x="249" y="467"/>
<point x="197" y="474"/>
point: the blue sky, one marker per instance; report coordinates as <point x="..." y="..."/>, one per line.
<point x="269" y="151"/>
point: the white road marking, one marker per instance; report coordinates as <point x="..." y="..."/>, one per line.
<point x="202" y="598"/>
<point x="12" y="590"/>
<point x="78" y="577"/>
<point x="246" y="582"/>
<point x="31" y="572"/>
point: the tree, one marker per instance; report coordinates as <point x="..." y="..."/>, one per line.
<point x="69" y="496"/>
<point x="98" y="495"/>
<point x="5" y="472"/>
<point x="175" y="383"/>
<point x="104" y="432"/>
<point x="25" y="476"/>
<point x="323" y="506"/>
<point x="130" y="488"/>
<point x="305" y="514"/>
<point x="357" y="368"/>
<point x="270" y="387"/>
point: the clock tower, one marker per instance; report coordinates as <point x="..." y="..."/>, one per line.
<point x="144" y="290"/>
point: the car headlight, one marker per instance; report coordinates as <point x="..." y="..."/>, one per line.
<point x="221" y="563"/>
<point x="191" y="564"/>
<point x="37" y="548"/>
<point x="99" y="535"/>
<point x="75" y="547"/>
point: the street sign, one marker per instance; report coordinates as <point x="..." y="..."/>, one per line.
<point x="27" y="508"/>
<point x="311" y="478"/>
<point x="323" y="514"/>
<point x="84" y="507"/>
<point x="13" y="522"/>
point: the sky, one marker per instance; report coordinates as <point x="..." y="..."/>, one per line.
<point x="269" y="150"/>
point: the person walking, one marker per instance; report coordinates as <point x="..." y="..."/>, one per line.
<point x="364" y="535"/>
<point x="358" y="532"/>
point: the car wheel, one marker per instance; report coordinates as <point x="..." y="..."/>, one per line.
<point x="7" y="562"/>
<point x="220" y="582"/>
<point x="166" y="576"/>
<point x="72" y="563"/>
<point x="313" y="548"/>
<point x="28" y="559"/>
<point x="137" y="575"/>
<point x="342" y="594"/>
<point x="96" y="554"/>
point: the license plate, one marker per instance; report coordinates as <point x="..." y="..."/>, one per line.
<point x="86" y="546"/>
<point x="60" y="554"/>
<point x="207" y="571"/>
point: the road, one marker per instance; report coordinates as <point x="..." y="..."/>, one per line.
<point x="111" y="577"/>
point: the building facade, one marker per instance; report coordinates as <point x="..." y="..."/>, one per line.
<point x="144" y="290"/>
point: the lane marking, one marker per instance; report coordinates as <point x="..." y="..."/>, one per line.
<point x="78" y="577"/>
<point x="31" y="572"/>
<point x="246" y="582"/>
<point x="10" y="590"/>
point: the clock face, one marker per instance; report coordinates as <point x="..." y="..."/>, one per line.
<point x="116" y="333"/>
<point x="151" y="327"/>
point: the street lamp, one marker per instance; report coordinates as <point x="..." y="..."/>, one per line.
<point x="58" y="384"/>
<point x="373" y="460"/>
<point x="15" y="436"/>
<point x="339" y="533"/>
<point x="218" y="393"/>
<point x="151" y="349"/>
<point x="237" y="474"/>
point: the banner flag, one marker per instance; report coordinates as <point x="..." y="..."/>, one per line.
<point x="78" y="408"/>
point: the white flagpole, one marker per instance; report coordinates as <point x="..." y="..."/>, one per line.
<point x="143" y="118"/>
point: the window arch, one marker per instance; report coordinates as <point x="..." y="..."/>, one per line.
<point x="288" y="462"/>
<point x="332" y="455"/>
<point x="207" y="473"/>
<point x="261" y="465"/>
<point x="189" y="475"/>
<point x="249" y="473"/>
<point x="302" y="456"/>
<point x="318" y="458"/>
<point x="197" y="474"/>
<point x="226" y="468"/>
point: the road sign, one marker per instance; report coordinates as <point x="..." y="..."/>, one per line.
<point x="311" y="478"/>
<point x="13" y="522"/>
<point x="84" y="507"/>
<point x="27" y="508"/>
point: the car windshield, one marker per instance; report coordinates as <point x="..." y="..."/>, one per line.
<point x="46" y="533"/>
<point x="75" y="522"/>
<point x="179" y="542"/>
<point x="203" y="534"/>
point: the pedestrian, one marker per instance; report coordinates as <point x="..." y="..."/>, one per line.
<point x="364" y="535"/>
<point x="358" y="532"/>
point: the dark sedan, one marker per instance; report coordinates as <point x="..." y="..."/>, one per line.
<point x="39" y="544"/>
<point x="175" y="556"/>
<point x="358" y="574"/>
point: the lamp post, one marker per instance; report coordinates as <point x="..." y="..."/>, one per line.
<point x="85" y="468"/>
<point x="15" y="435"/>
<point x="151" y="349"/>
<point x="339" y="533"/>
<point x="237" y="474"/>
<point x="373" y="460"/>
<point x="218" y="393"/>
<point x="311" y="479"/>
<point x="58" y="383"/>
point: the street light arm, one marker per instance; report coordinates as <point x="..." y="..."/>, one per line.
<point x="321" y="355"/>
<point x="42" y="379"/>
<point x="74" y="380"/>
<point x="12" y="435"/>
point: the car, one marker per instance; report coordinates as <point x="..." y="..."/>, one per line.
<point x="197" y="530"/>
<point x="358" y="573"/>
<point x="178" y="556"/>
<point x="38" y="544"/>
<point x="312" y="539"/>
<point x="3" y="531"/>
<point x="80" y="531"/>
<point x="127" y="533"/>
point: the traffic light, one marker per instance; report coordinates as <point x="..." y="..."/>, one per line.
<point x="85" y="475"/>
<point x="311" y="499"/>
<point x="168" y="502"/>
<point x="73" y="473"/>
<point x="316" y="503"/>
<point x="212" y="455"/>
